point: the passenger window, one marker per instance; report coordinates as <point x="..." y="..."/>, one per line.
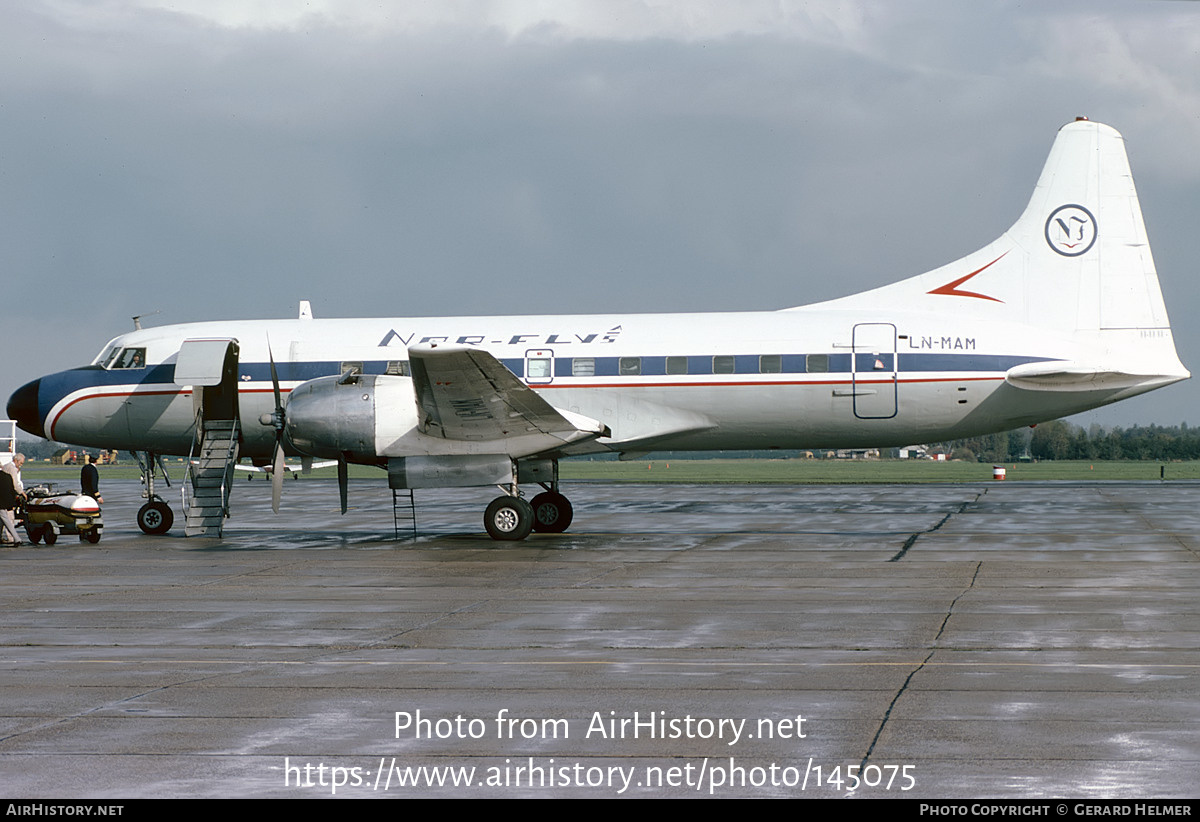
<point x="816" y="363"/>
<point x="398" y="368"/>
<point x="583" y="367"/>
<point x="770" y="364"/>
<point x="724" y="364"/>
<point x="677" y="365"/>
<point x="132" y="358"/>
<point x="538" y="369"/>
<point x="630" y="366"/>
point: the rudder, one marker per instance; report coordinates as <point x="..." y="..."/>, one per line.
<point x="1085" y="240"/>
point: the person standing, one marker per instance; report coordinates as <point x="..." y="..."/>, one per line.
<point x="89" y="482"/>
<point x="13" y="469"/>
<point x="8" y="505"/>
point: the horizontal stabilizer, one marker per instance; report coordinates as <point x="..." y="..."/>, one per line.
<point x="467" y="394"/>
<point x="1059" y="375"/>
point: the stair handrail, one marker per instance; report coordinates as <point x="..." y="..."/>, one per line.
<point x="197" y="438"/>
<point x="189" y="477"/>
<point x="226" y="474"/>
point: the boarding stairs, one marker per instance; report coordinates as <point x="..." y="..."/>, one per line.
<point x="404" y="513"/>
<point x="210" y="471"/>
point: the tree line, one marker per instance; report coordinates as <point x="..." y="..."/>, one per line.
<point x="1061" y="440"/>
<point x="1055" y="440"/>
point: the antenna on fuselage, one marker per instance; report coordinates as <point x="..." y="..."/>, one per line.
<point x="305" y="310"/>
<point x="137" y="319"/>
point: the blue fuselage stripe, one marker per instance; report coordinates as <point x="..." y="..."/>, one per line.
<point x="56" y="386"/>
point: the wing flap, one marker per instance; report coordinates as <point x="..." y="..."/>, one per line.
<point x="467" y="394"/>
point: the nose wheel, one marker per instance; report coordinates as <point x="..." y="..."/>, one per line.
<point x="155" y="517"/>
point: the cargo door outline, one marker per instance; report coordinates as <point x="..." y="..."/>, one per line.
<point x="873" y="371"/>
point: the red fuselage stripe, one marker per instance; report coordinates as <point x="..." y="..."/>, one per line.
<point x="186" y="391"/>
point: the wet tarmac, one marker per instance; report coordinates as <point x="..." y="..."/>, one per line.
<point x="1025" y="640"/>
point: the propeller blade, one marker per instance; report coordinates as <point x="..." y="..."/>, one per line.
<point x="274" y="376"/>
<point x="277" y="419"/>
<point x="343" y="481"/>
<point x="277" y="472"/>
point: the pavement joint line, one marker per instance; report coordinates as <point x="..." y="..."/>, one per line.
<point x="408" y="630"/>
<point x="908" y="543"/>
<point x="1150" y="524"/>
<point x="62" y="720"/>
<point x="904" y="687"/>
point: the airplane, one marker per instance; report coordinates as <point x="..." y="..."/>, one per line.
<point x="288" y="468"/>
<point x="1061" y="314"/>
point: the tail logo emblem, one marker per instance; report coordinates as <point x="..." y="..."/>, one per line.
<point x="1071" y="230"/>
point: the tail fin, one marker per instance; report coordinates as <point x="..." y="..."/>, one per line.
<point x="1077" y="262"/>
<point x="1088" y="261"/>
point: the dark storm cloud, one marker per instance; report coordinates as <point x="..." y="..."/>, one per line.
<point x="156" y="160"/>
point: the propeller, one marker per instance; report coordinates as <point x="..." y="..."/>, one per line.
<point x="278" y="420"/>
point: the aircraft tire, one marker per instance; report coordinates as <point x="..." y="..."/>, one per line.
<point x="552" y="513"/>
<point x="35" y="533"/>
<point x="155" y="518"/>
<point x="508" y="519"/>
<point x="49" y="535"/>
<point x="91" y="535"/>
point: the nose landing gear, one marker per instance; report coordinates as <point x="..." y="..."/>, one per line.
<point x="155" y="517"/>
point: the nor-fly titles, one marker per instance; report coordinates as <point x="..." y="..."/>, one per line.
<point x="657" y="725"/>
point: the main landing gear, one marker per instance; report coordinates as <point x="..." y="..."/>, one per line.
<point x="511" y="518"/>
<point x="508" y="518"/>
<point x="552" y="512"/>
<point x="155" y="517"/>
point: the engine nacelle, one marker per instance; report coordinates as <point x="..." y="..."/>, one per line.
<point x="330" y="418"/>
<point x="373" y="419"/>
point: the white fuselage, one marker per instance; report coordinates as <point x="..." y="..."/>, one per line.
<point x="758" y="380"/>
<point x="1061" y="313"/>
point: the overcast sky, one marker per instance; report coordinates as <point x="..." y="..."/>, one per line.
<point x="214" y="160"/>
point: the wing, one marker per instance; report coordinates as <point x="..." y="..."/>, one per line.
<point x="467" y="394"/>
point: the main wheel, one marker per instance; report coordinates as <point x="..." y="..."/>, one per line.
<point x="155" y="518"/>
<point x="508" y="518"/>
<point x="552" y="512"/>
<point x="35" y="533"/>
<point x="91" y="535"/>
<point x="50" y="535"/>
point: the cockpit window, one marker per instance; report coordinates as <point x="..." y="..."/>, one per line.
<point x="106" y="358"/>
<point x="131" y="358"/>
